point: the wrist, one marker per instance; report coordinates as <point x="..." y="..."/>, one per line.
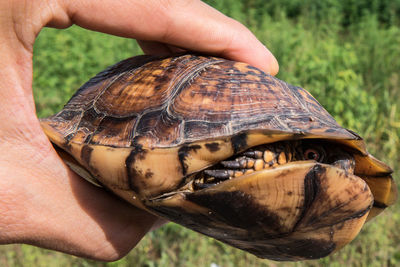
<point x="47" y="205"/>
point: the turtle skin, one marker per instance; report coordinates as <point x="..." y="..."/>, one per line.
<point x="146" y="126"/>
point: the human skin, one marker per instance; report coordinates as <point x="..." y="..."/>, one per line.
<point x="42" y="202"/>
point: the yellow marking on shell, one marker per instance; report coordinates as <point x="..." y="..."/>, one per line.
<point x="198" y="159"/>
<point x="268" y="156"/>
<point x="384" y="190"/>
<point x="258" y="165"/>
<point x="80" y="136"/>
<point x="106" y="163"/>
<point x="341" y="238"/>
<point x="341" y="233"/>
<point x="52" y="133"/>
<point x="109" y="163"/>
<point x="382" y="185"/>
<point x="258" y="138"/>
<point x="244" y="69"/>
<point x="370" y="166"/>
<point x="165" y="170"/>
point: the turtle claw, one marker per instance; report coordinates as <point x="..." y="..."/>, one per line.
<point x="232" y="164"/>
<point x="253" y="154"/>
<point x="219" y="174"/>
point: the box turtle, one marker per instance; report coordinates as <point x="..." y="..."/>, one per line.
<point x="226" y="150"/>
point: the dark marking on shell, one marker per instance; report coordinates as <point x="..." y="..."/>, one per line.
<point x="183" y="152"/>
<point x="69" y="136"/>
<point x="86" y="154"/>
<point x="148" y="174"/>
<point x="356" y="215"/>
<point x="239" y="142"/>
<point x="67" y="146"/>
<point x="279" y="247"/>
<point x="212" y="147"/>
<point x="243" y="211"/>
<point x="237" y="208"/>
<point x="339" y="226"/>
<point x="88" y="138"/>
<point x="310" y="248"/>
<point x="89" y="116"/>
<point x="162" y="79"/>
<point x="250" y="72"/>
<point x="330" y="130"/>
<point x="158" y="86"/>
<point x="137" y="153"/>
<point x="355" y="134"/>
<point x="109" y="127"/>
<point x="311" y="188"/>
<point x="379" y="205"/>
<point x="256" y="70"/>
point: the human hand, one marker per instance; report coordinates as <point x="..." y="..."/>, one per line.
<point x="42" y="202"/>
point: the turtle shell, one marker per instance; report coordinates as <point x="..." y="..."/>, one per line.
<point x="146" y="125"/>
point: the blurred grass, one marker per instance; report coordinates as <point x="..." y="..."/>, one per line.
<point x="345" y="53"/>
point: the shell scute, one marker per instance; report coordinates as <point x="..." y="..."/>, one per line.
<point x="114" y="132"/>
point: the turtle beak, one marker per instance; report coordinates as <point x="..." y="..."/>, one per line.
<point x="300" y="210"/>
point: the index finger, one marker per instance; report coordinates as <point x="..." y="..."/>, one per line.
<point x="192" y="25"/>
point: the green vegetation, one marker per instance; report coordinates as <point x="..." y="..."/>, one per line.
<point x="346" y="53"/>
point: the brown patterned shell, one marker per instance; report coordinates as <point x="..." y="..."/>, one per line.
<point x="178" y="100"/>
<point x="143" y="126"/>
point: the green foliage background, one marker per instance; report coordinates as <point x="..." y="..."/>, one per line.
<point x="346" y="53"/>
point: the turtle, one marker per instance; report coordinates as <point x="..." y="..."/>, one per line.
<point x="226" y="150"/>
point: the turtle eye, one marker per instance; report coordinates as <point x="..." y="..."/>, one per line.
<point x="312" y="154"/>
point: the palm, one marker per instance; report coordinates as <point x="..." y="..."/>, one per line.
<point x="41" y="201"/>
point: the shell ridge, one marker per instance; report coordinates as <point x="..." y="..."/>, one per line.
<point x="122" y="66"/>
<point x="305" y="105"/>
<point x="109" y="72"/>
<point x="178" y="82"/>
<point x="134" y="128"/>
<point x="106" y="88"/>
<point x="191" y="74"/>
<point x="181" y="78"/>
<point x="74" y="129"/>
<point x="94" y="132"/>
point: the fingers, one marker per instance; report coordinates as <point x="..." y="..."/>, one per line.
<point x="86" y="221"/>
<point x="157" y="48"/>
<point x="188" y="24"/>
